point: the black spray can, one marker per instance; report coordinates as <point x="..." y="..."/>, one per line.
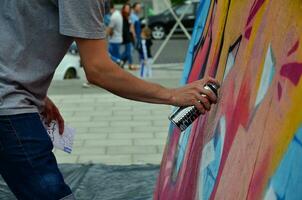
<point x="183" y="117"/>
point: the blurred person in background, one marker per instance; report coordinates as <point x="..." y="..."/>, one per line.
<point x="134" y="17"/>
<point x="115" y="33"/>
<point x="128" y="36"/>
<point x="145" y="53"/>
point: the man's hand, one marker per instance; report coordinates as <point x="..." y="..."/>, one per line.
<point x="195" y="94"/>
<point x="51" y="112"/>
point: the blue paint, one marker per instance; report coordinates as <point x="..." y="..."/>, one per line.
<point x="232" y="57"/>
<point x="200" y="22"/>
<point x="267" y="75"/>
<point x="287" y="181"/>
<point x="182" y="146"/>
<point x="209" y="173"/>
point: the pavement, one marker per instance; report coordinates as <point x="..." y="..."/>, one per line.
<point x="110" y="129"/>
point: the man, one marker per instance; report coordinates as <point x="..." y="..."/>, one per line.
<point x="34" y="37"/>
<point x="136" y="11"/>
<point x="115" y="33"/>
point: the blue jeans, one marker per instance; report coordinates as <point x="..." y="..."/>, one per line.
<point x="27" y="163"/>
<point x="127" y="55"/>
<point x="114" y="50"/>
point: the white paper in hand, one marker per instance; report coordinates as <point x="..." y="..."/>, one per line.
<point x="63" y="142"/>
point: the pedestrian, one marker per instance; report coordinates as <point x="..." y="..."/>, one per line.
<point x="27" y="163"/>
<point x="136" y="11"/>
<point x="145" y="53"/>
<point x="128" y="36"/>
<point x="115" y="33"/>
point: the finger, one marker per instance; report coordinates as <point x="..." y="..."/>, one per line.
<point x="47" y="118"/>
<point x="209" y="94"/>
<point x="200" y="107"/>
<point x="57" y="116"/>
<point x="61" y="125"/>
<point x="206" y="103"/>
<point x="209" y="79"/>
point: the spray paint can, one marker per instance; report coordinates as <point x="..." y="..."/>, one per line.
<point x="183" y="117"/>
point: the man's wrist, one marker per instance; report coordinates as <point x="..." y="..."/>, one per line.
<point x="167" y="96"/>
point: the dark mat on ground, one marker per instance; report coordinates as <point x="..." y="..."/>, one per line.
<point x="104" y="182"/>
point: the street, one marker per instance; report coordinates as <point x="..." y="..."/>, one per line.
<point x="174" y="52"/>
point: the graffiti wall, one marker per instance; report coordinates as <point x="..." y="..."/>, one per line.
<point x="249" y="146"/>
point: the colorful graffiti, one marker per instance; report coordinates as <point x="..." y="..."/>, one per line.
<point x="249" y="146"/>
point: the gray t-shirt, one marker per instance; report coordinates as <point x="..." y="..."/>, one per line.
<point x="34" y="37"/>
<point x="116" y="23"/>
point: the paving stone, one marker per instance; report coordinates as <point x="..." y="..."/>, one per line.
<point x="108" y="142"/>
<point x="150" y="129"/>
<point x="78" y="142"/>
<point x="67" y="113"/>
<point x="121" y="150"/>
<point x="67" y="159"/>
<point x="151" y="158"/>
<point x="86" y="151"/>
<point x="162" y="135"/>
<point x="137" y="113"/>
<point x="148" y="117"/>
<point x="111" y="118"/>
<point x="82" y="130"/>
<point x="163" y="123"/>
<point x="77" y="108"/>
<point x="91" y="136"/>
<point x="161" y="149"/>
<point x="72" y="119"/>
<point x="93" y="114"/>
<point x="76" y="99"/>
<point x="129" y="135"/>
<point x="149" y="141"/>
<point x="90" y="124"/>
<point x="160" y="112"/>
<point x="115" y="108"/>
<point x="130" y="123"/>
<point x="110" y="130"/>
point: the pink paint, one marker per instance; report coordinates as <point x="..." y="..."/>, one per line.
<point x="240" y="116"/>
<point x="164" y="188"/>
<point x="201" y="58"/>
<point x="199" y="61"/>
<point x="292" y="71"/>
<point x="279" y="91"/>
<point x="255" y="8"/>
<point x="257" y="181"/>
<point x="293" y="49"/>
<point x="248" y="32"/>
<point x="187" y="174"/>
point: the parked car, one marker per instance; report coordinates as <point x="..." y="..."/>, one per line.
<point x="70" y="65"/>
<point x="162" y="23"/>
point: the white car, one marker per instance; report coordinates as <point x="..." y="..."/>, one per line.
<point x="69" y="68"/>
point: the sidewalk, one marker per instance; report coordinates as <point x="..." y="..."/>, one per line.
<point x="110" y="129"/>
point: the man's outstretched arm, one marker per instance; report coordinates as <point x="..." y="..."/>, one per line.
<point x="101" y="71"/>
